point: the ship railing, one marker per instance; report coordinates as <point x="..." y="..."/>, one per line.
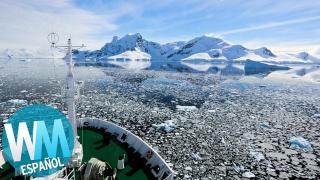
<point x="134" y="141"/>
<point x="71" y="175"/>
<point x="169" y="177"/>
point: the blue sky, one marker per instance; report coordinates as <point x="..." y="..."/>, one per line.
<point x="282" y="25"/>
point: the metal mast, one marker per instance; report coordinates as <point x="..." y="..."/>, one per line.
<point x="70" y="91"/>
<point x="70" y="94"/>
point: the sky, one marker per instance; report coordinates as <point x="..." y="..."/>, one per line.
<point x="282" y="26"/>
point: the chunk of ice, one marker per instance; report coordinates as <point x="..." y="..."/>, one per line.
<point x="264" y="125"/>
<point x="167" y="126"/>
<point x="300" y="143"/>
<point x="196" y="156"/>
<point x="237" y="168"/>
<point x="188" y="168"/>
<point x="248" y="175"/>
<point x="186" y="108"/>
<point x="257" y="155"/>
<point x="18" y="101"/>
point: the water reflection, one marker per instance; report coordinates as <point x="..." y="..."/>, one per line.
<point x="131" y="64"/>
<point x="50" y="69"/>
<point x="201" y="66"/>
<point x="233" y="69"/>
<point x="43" y="69"/>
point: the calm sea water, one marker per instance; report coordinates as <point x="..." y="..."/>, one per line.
<point x="45" y="73"/>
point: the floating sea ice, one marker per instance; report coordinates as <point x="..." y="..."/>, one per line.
<point x="223" y="141"/>
<point x="264" y="125"/>
<point x="186" y="108"/>
<point x="258" y="156"/>
<point x="188" y="168"/>
<point x="18" y="101"/>
<point x="167" y="126"/>
<point x="300" y="143"/>
<point x="248" y="175"/>
<point x="237" y="167"/>
<point x="196" y="156"/>
<point x="316" y="115"/>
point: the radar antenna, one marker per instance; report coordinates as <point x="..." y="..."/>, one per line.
<point x="53" y="38"/>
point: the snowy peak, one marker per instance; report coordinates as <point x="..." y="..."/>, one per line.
<point x="234" y="51"/>
<point x="200" y="48"/>
<point x="197" y="45"/>
<point x="170" y="48"/>
<point x="204" y="43"/>
<point x="303" y="55"/>
<point x="114" y="39"/>
<point x="131" y="38"/>
<point x="128" y="42"/>
<point x="264" y="52"/>
<point x="307" y="57"/>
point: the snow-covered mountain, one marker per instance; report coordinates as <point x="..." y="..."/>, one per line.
<point x="173" y="47"/>
<point x="202" y="44"/>
<point x="28" y="54"/>
<point x="203" y="48"/>
<point x="16" y="53"/>
<point x="130" y="42"/>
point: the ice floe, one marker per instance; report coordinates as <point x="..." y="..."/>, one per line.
<point x="167" y="126"/>
<point x="300" y="143"/>
<point x="186" y="108"/>
<point x="18" y="101"/>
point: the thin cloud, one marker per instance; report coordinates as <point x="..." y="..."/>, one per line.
<point x="269" y="25"/>
<point x="25" y="24"/>
<point x="292" y="46"/>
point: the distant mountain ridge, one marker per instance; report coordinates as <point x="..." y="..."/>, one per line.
<point x="200" y="48"/>
<point x="203" y="48"/>
<point x="23" y="53"/>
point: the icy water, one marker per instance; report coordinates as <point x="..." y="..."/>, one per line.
<point x="224" y="124"/>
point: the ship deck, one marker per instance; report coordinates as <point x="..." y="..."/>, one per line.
<point x="7" y="172"/>
<point x="92" y="141"/>
<point x="93" y="146"/>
